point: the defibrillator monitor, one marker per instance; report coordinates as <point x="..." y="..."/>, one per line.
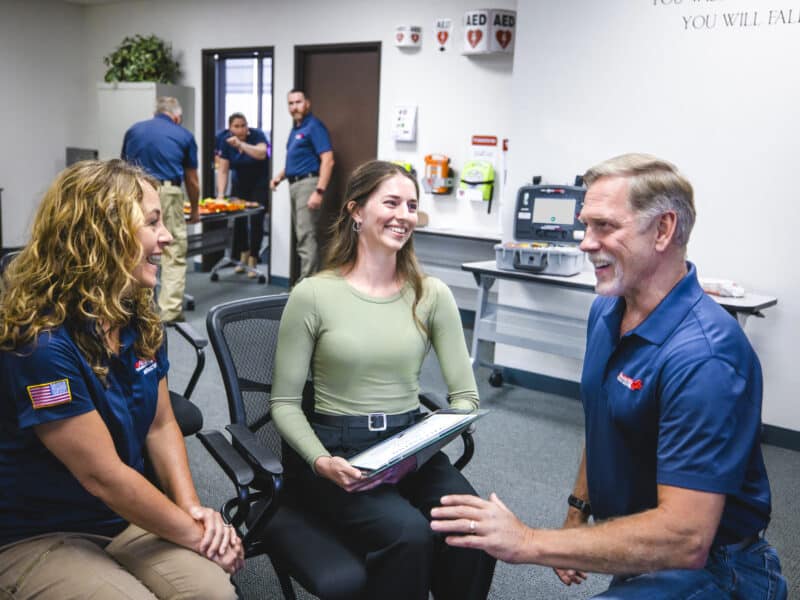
<point x="555" y="211"/>
<point x="549" y="214"/>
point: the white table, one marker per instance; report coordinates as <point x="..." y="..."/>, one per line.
<point x="555" y="334"/>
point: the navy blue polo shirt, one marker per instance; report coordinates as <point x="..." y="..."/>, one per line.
<point x="676" y="401"/>
<point x="162" y="148"/>
<point x="220" y="138"/>
<point x="50" y="382"/>
<point x="306" y="142"/>
<point x="246" y="171"/>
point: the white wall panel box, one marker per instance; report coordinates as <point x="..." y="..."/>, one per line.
<point x="408" y="36"/>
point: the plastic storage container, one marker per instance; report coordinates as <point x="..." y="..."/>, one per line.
<point x="544" y="259"/>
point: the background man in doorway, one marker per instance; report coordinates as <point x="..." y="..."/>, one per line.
<point x="309" y="165"/>
<point x="672" y="470"/>
<point x="168" y="152"/>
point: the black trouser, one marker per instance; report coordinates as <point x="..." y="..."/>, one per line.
<point x="390" y="524"/>
<point x="254" y="193"/>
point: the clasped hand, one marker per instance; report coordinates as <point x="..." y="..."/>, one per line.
<point x="220" y="542"/>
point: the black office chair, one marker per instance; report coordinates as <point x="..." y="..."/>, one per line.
<point x="300" y="546"/>
<point x="6" y="256"/>
<point x="187" y="414"/>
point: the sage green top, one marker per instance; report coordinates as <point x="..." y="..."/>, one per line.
<point x="365" y="354"/>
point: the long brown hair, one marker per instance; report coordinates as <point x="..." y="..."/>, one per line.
<point x="343" y="247"/>
<point x="78" y="265"/>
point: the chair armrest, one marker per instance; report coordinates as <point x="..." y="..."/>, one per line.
<point x="198" y="342"/>
<point x="235" y="467"/>
<point x="236" y="510"/>
<point x="260" y="458"/>
<point x="435" y="402"/>
<point x="432" y="401"/>
<point x="190" y="335"/>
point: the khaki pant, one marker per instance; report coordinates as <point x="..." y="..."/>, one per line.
<point x="305" y="223"/>
<point x="135" y="565"/>
<point x="173" y="261"/>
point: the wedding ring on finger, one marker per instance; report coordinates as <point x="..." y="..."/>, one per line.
<point x="472" y="526"/>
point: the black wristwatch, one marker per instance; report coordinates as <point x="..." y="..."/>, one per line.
<point x="581" y="505"/>
<point x="320" y="191"/>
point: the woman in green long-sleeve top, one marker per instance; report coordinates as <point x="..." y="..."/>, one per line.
<point x="363" y="326"/>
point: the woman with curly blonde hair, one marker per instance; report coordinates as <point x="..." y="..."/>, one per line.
<point x="83" y="397"/>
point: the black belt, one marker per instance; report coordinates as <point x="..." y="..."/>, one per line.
<point x="293" y="178"/>
<point x="372" y="421"/>
<point x="175" y="182"/>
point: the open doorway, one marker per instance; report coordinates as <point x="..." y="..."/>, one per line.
<point x="235" y="80"/>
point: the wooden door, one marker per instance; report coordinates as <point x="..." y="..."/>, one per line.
<point x="343" y="82"/>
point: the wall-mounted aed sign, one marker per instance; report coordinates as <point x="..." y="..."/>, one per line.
<point x="443" y="29"/>
<point x="408" y="36"/>
<point x="489" y="30"/>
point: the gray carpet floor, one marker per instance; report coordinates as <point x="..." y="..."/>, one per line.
<point x="528" y="450"/>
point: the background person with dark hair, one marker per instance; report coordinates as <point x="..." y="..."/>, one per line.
<point x="243" y="154"/>
<point x="309" y="166"/>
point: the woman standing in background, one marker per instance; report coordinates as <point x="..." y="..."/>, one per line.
<point x="244" y="155"/>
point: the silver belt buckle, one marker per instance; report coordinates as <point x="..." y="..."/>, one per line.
<point x="376" y="421"/>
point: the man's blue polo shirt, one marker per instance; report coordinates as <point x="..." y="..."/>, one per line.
<point x="246" y="171"/>
<point x="162" y="148"/>
<point x="50" y="382"/>
<point x="306" y="142"/>
<point x="676" y="401"/>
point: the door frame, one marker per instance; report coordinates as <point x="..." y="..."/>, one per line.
<point x="208" y="118"/>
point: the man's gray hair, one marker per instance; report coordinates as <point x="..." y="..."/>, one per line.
<point x="168" y="104"/>
<point x="655" y="186"/>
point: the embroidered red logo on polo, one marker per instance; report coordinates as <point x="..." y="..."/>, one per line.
<point x="144" y="366"/>
<point x="299" y="136"/>
<point x="629" y="382"/>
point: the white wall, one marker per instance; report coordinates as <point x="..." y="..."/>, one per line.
<point x="595" y="79"/>
<point x="44" y="102"/>
<point x="457" y="95"/>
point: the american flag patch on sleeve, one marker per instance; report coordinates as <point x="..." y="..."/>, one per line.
<point x="44" y="395"/>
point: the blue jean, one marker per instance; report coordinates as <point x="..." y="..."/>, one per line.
<point x="750" y="573"/>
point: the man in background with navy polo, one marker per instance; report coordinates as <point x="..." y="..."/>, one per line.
<point x="309" y="166"/>
<point x="672" y="470"/>
<point x="168" y="152"/>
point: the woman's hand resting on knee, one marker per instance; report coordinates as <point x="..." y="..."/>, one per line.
<point x="220" y="542"/>
<point x="338" y="470"/>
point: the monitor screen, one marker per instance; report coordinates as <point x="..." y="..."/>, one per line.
<point x="554" y="211"/>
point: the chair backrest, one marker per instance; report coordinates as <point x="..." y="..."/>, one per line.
<point x="244" y="335"/>
<point x="6" y="256"/>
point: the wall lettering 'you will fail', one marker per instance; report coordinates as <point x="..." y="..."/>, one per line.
<point x="729" y="19"/>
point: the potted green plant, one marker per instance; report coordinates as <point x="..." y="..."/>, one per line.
<point x="142" y="58"/>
